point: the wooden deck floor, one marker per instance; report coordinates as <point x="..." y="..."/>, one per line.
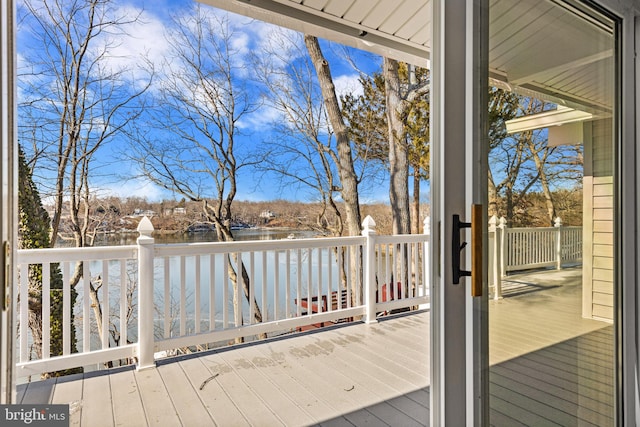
<point x="549" y="367"/>
<point x="543" y="354"/>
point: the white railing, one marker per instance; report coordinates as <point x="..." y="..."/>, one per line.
<point x="517" y="249"/>
<point x="160" y="298"/>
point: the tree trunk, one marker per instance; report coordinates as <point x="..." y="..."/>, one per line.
<point x="348" y="178"/>
<point x="415" y="207"/>
<point x="346" y="170"/>
<point x="398" y="151"/>
<point x="493" y="197"/>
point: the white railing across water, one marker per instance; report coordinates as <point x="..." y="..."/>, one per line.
<point x="157" y="298"/>
<point x="516" y="249"/>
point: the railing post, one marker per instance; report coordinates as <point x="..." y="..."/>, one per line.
<point x="369" y="232"/>
<point x="503" y="246"/>
<point x="558" y="224"/>
<point x="145" y="295"/>
<point x="495" y="257"/>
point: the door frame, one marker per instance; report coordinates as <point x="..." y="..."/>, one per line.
<point x="459" y="380"/>
<point x="455" y="50"/>
<point x="8" y="199"/>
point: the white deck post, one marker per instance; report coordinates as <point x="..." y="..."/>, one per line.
<point x="369" y="231"/>
<point x="145" y="295"/>
<point x="558" y="224"/>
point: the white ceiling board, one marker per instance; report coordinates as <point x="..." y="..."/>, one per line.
<point x="337" y="7"/>
<point x="359" y="10"/>
<point x="380" y="13"/>
<point x="397" y="18"/>
<point x="315" y="4"/>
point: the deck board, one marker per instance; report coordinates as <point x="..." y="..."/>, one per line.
<point x="549" y="367"/>
<point x="217" y="402"/>
<point x="98" y="409"/>
<point x="154" y="394"/>
<point x="189" y="407"/>
<point x="66" y="391"/>
<point x="127" y="405"/>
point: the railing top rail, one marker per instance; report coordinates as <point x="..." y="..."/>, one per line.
<point x="534" y="229"/>
<point x="36" y="256"/>
<point x="403" y="238"/>
<point x="255" y="246"/>
<point x="531" y="229"/>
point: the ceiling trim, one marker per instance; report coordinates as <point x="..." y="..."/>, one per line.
<point x="557" y="117"/>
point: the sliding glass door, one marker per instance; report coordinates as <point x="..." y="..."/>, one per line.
<point x="552" y="203"/>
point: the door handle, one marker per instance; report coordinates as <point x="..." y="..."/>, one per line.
<point x="476" y="250"/>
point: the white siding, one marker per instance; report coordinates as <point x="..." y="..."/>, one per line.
<point x="598" y="266"/>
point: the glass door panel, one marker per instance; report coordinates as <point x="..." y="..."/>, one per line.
<point x="552" y="112"/>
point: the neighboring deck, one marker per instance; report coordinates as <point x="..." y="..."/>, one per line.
<point x="364" y="374"/>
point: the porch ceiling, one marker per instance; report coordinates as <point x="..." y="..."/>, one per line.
<point x="543" y="48"/>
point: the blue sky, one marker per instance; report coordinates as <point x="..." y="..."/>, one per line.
<point x="113" y="174"/>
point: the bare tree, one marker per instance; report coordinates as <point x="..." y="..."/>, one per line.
<point x="76" y="100"/>
<point x="202" y="98"/>
<point x="305" y="150"/>
<point x="344" y="158"/>
<point x="524" y="162"/>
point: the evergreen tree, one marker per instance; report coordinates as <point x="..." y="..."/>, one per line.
<point x="33" y="233"/>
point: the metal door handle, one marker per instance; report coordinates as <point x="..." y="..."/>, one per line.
<point x="476" y="250"/>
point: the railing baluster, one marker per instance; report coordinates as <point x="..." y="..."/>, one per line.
<point x="105" y="304"/>
<point x="287" y="290"/>
<point x="24" y="313"/>
<point x="86" y="308"/>
<point x="265" y="299"/>
<point x="341" y="270"/>
<point x="276" y="284"/>
<point x="46" y="310"/>
<point x="212" y="292"/>
<point x="167" y="298"/>
<point x="196" y="326"/>
<point x="299" y="282"/>
<point x="330" y="284"/>
<point x="225" y="292"/>
<point x="66" y="309"/>
<point x="309" y="277"/>
<point x="320" y="290"/>
<point x="183" y="297"/>
<point x="123" y="302"/>
<point x="252" y="287"/>
<point x="238" y="313"/>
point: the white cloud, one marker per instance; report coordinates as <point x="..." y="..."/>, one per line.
<point x="140" y="41"/>
<point x="134" y="187"/>
<point x="265" y="116"/>
<point x="348" y="84"/>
